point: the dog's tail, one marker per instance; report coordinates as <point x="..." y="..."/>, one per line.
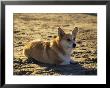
<point x="27" y="51"/>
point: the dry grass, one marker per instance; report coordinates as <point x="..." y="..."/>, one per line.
<point x="42" y="26"/>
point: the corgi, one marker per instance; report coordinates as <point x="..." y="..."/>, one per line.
<point x="57" y="51"/>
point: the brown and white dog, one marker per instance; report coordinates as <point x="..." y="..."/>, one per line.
<point x="58" y="51"/>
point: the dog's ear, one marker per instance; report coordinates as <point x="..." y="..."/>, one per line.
<point x="61" y="33"/>
<point x="74" y="32"/>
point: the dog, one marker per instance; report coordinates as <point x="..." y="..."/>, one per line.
<point x="57" y="51"/>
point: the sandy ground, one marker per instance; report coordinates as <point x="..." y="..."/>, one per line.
<point x="28" y="27"/>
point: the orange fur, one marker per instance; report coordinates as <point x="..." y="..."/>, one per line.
<point x="42" y="51"/>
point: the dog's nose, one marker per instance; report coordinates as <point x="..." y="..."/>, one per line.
<point x="74" y="45"/>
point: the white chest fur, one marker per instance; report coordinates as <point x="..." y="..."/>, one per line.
<point x="68" y="51"/>
<point x="66" y="59"/>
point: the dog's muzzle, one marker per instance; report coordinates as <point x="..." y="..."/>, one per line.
<point x="74" y="45"/>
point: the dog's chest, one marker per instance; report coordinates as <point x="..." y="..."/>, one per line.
<point x="64" y="57"/>
<point x="68" y="51"/>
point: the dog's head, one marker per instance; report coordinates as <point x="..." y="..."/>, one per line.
<point x="67" y="40"/>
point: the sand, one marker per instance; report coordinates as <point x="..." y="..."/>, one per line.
<point x="31" y="26"/>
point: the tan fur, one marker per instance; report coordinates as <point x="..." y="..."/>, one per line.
<point x="47" y="52"/>
<point x="42" y="51"/>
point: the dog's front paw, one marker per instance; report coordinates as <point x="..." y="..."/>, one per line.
<point x="65" y="63"/>
<point x="72" y="62"/>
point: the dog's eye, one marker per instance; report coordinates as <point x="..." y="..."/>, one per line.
<point x="68" y="39"/>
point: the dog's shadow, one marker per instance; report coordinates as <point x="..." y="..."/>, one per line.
<point x="71" y="69"/>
